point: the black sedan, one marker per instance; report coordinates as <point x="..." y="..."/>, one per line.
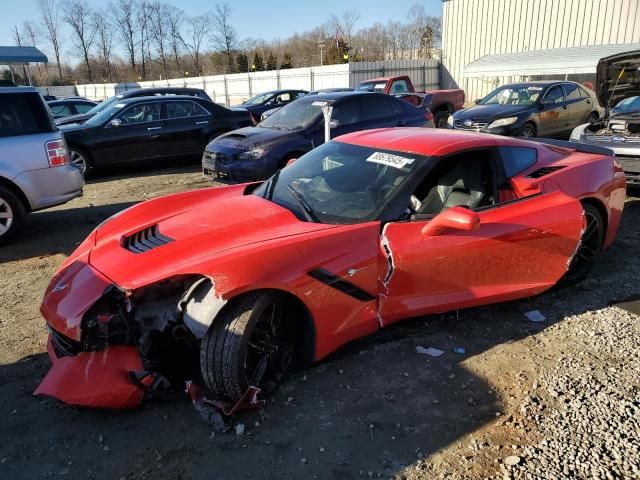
<point x="149" y="128"/>
<point x="139" y="92"/>
<point x="71" y="106"/>
<point x="532" y="109"/>
<point x="256" y="153"/>
<point x="269" y="100"/>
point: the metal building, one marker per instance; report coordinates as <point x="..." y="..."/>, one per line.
<point x="473" y="29"/>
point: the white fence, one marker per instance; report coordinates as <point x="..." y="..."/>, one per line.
<point x="235" y="88"/>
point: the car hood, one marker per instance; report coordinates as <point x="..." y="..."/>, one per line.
<point x="79" y="118"/>
<point x="200" y="227"/>
<point x="608" y="73"/>
<point x="251" y="137"/>
<point x="492" y="112"/>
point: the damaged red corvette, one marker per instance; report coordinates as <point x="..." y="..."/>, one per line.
<point x="234" y="286"/>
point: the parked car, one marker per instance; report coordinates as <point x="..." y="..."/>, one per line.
<point x="70" y="106"/>
<point x="243" y="282"/>
<point x="323" y="91"/>
<point x="619" y="129"/>
<point x="257" y="152"/>
<point x="149" y="128"/>
<point x="35" y="171"/>
<point x="530" y="109"/>
<point x="443" y="102"/>
<point x="140" y="92"/>
<point x="269" y="100"/>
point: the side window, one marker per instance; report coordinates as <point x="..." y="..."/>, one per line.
<point x="347" y="113"/>
<point x="83" y="107"/>
<point x="399" y="86"/>
<point x="554" y="95"/>
<point x="141" y="113"/>
<point x="23" y="114"/>
<point x="375" y="107"/>
<point x="284" y="97"/>
<point x="184" y="109"/>
<point x="60" y="110"/>
<point x="572" y="92"/>
<point x="517" y="159"/>
<point x="583" y="93"/>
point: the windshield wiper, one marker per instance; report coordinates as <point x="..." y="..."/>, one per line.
<point x="271" y="185"/>
<point x="306" y="208"/>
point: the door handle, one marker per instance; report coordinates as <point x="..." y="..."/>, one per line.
<point x="202" y="123"/>
<point x="149" y="129"/>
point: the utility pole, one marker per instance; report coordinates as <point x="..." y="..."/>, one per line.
<point x="321" y="45"/>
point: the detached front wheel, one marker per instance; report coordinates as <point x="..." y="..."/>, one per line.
<point x="250" y="344"/>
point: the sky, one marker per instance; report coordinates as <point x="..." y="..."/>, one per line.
<point x="251" y="18"/>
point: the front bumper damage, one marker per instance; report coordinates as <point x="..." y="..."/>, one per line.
<point x="109" y="347"/>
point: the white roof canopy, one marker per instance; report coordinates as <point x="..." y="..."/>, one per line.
<point x="555" y="61"/>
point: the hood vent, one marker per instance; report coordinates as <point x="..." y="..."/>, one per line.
<point x="145" y="240"/>
<point x="541" y="172"/>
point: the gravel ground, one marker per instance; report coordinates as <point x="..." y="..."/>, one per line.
<point x="557" y="399"/>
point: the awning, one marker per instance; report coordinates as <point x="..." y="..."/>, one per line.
<point x="21" y="55"/>
<point x="555" y="61"/>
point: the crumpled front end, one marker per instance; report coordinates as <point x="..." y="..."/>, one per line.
<point x="109" y="346"/>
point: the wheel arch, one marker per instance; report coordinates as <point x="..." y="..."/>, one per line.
<point x="87" y="153"/>
<point x="17" y="191"/>
<point x="443" y="107"/>
<point x="602" y="209"/>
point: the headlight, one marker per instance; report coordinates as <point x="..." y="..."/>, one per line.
<point x="251" y="154"/>
<point x="502" y="122"/>
<point x="450" y="121"/>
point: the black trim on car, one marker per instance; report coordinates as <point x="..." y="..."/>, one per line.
<point x="578" y="147"/>
<point x="341" y="285"/>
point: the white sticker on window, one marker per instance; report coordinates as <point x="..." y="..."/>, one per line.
<point x="319" y="104"/>
<point x="389" y="159"/>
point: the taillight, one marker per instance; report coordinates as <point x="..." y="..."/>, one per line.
<point x="428" y="116"/>
<point x="57" y="153"/>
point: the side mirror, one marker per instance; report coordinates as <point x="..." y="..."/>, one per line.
<point x="115" y="123"/>
<point x="291" y="160"/>
<point x="456" y="218"/>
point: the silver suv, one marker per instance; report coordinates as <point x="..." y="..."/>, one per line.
<point x="35" y="170"/>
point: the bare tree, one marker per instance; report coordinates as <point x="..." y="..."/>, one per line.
<point x="79" y="16"/>
<point x="125" y="21"/>
<point x="345" y="23"/>
<point x="197" y="28"/>
<point x="159" y="30"/>
<point x="17" y="37"/>
<point x="51" y="25"/>
<point x="104" y="40"/>
<point x="224" y="37"/>
<point x="175" y="20"/>
<point x="144" y="22"/>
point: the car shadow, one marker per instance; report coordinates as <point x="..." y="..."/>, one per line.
<point x="52" y="232"/>
<point x="372" y="409"/>
<point x="143" y="169"/>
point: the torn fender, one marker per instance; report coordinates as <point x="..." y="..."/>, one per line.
<point x="94" y="379"/>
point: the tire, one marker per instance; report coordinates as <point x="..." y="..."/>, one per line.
<point x="80" y="159"/>
<point x="590" y="247"/>
<point x="592" y="117"/>
<point x="248" y="344"/>
<point x="440" y="119"/>
<point x="12" y="215"/>
<point x="528" y="130"/>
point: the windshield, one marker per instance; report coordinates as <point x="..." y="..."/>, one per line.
<point x="296" y="115"/>
<point x="339" y="183"/>
<point x="628" y="105"/>
<point x="101" y="106"/>
<point x="372" y="87"/>
<point x="258" y="99"/>
<point x="513" y="95"/>
<point x="105" y="115"/>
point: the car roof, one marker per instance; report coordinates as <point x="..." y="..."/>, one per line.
<point x="540" y="83"/>
<point x="18" y="90"/>
<point x="142" y="92"/>
<point x="335" y="96"/>
<point x="159" y="98"/>
<point x="378" y="79"/>
<point x="428" y="141"/>
<point x="70" y="100"/>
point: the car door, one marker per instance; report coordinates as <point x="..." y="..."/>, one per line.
<point x="518" y="248"/>
<point x="184" y="126"/>
<point x="346" y="117"/>
<point x="377" y="112"/>
<point x="135" y="136"/>
<point x="554" y="114"/>
<point x="578" y="108"/>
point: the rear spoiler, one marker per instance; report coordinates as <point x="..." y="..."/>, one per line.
<point x="427" y="98"/>
<point x="578" y="147"/>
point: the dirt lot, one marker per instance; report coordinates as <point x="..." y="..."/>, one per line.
<point x="377" y="408"/>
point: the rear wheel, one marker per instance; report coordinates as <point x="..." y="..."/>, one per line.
<point x="80" y="159"/>
<point x="440" y="119"/>
<point x="590" y="246"/>
<point x="12" y="215"/>
<point x="249" y="344"/>
<point x="528" y="130"/>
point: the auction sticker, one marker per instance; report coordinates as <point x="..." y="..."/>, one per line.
<point x="319" y="104"/>
<point x="390" y="159"/>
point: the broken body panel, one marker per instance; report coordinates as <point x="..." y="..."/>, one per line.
<point x="122" y="307"/>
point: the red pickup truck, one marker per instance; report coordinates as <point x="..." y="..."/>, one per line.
<point x="443" y="103"/>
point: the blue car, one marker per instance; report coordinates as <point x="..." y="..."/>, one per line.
<point x="256" y="153"/>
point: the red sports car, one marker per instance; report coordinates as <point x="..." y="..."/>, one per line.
<point x="232" y="286"/>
